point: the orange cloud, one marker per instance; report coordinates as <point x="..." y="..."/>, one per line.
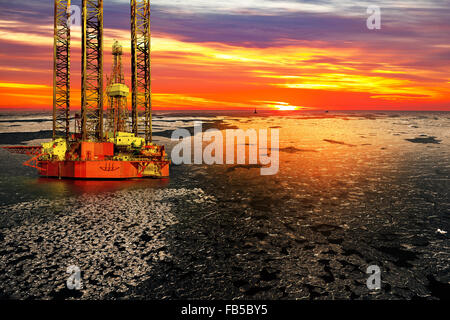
<point x="211" y="75"/>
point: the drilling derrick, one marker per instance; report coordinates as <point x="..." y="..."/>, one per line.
<point x="117" y="95"/>
<point x="92" y="70"/>
<point x="61" y="69"/>
<point x="140" y="65"/>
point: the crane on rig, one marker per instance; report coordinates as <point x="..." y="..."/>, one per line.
<point x="100" y="148"/>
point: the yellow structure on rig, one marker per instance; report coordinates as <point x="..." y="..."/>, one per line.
<point x="118" y="90"/>
<point x="55" y="149"/>
<point x="126" y="139"/>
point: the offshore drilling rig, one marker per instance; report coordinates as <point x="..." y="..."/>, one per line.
<point x="95" y="149"/>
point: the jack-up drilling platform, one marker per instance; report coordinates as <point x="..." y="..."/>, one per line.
<point x="100" y="148"/>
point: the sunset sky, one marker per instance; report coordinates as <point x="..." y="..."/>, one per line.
<point x="237" y="54"/>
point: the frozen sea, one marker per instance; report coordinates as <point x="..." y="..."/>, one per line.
<point x="354" y="189"/>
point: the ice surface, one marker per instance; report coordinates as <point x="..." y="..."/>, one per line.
<point x="352" y="191"/>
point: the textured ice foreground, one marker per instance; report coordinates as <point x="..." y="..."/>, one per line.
<point x="112" y="237"/>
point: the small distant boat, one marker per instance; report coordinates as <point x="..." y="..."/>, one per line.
<point x="255" y="111"/>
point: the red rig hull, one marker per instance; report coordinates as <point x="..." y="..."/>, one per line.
<point x="95" y="160"/>
<point x="102" y="169"/>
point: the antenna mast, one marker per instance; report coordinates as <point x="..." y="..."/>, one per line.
<point x="61" y="69"/>
<point x="140" y="66"/>
<point x="92" y="70"/>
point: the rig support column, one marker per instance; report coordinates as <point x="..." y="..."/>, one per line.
<point x="61" y="69"/>
<point x="140" y="66"/>
<point x="92" y="70"/>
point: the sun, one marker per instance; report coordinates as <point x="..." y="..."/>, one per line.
<point x="283" y="106"/>
<point x="279" y="105"/>
<point x="286" y="108"/>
